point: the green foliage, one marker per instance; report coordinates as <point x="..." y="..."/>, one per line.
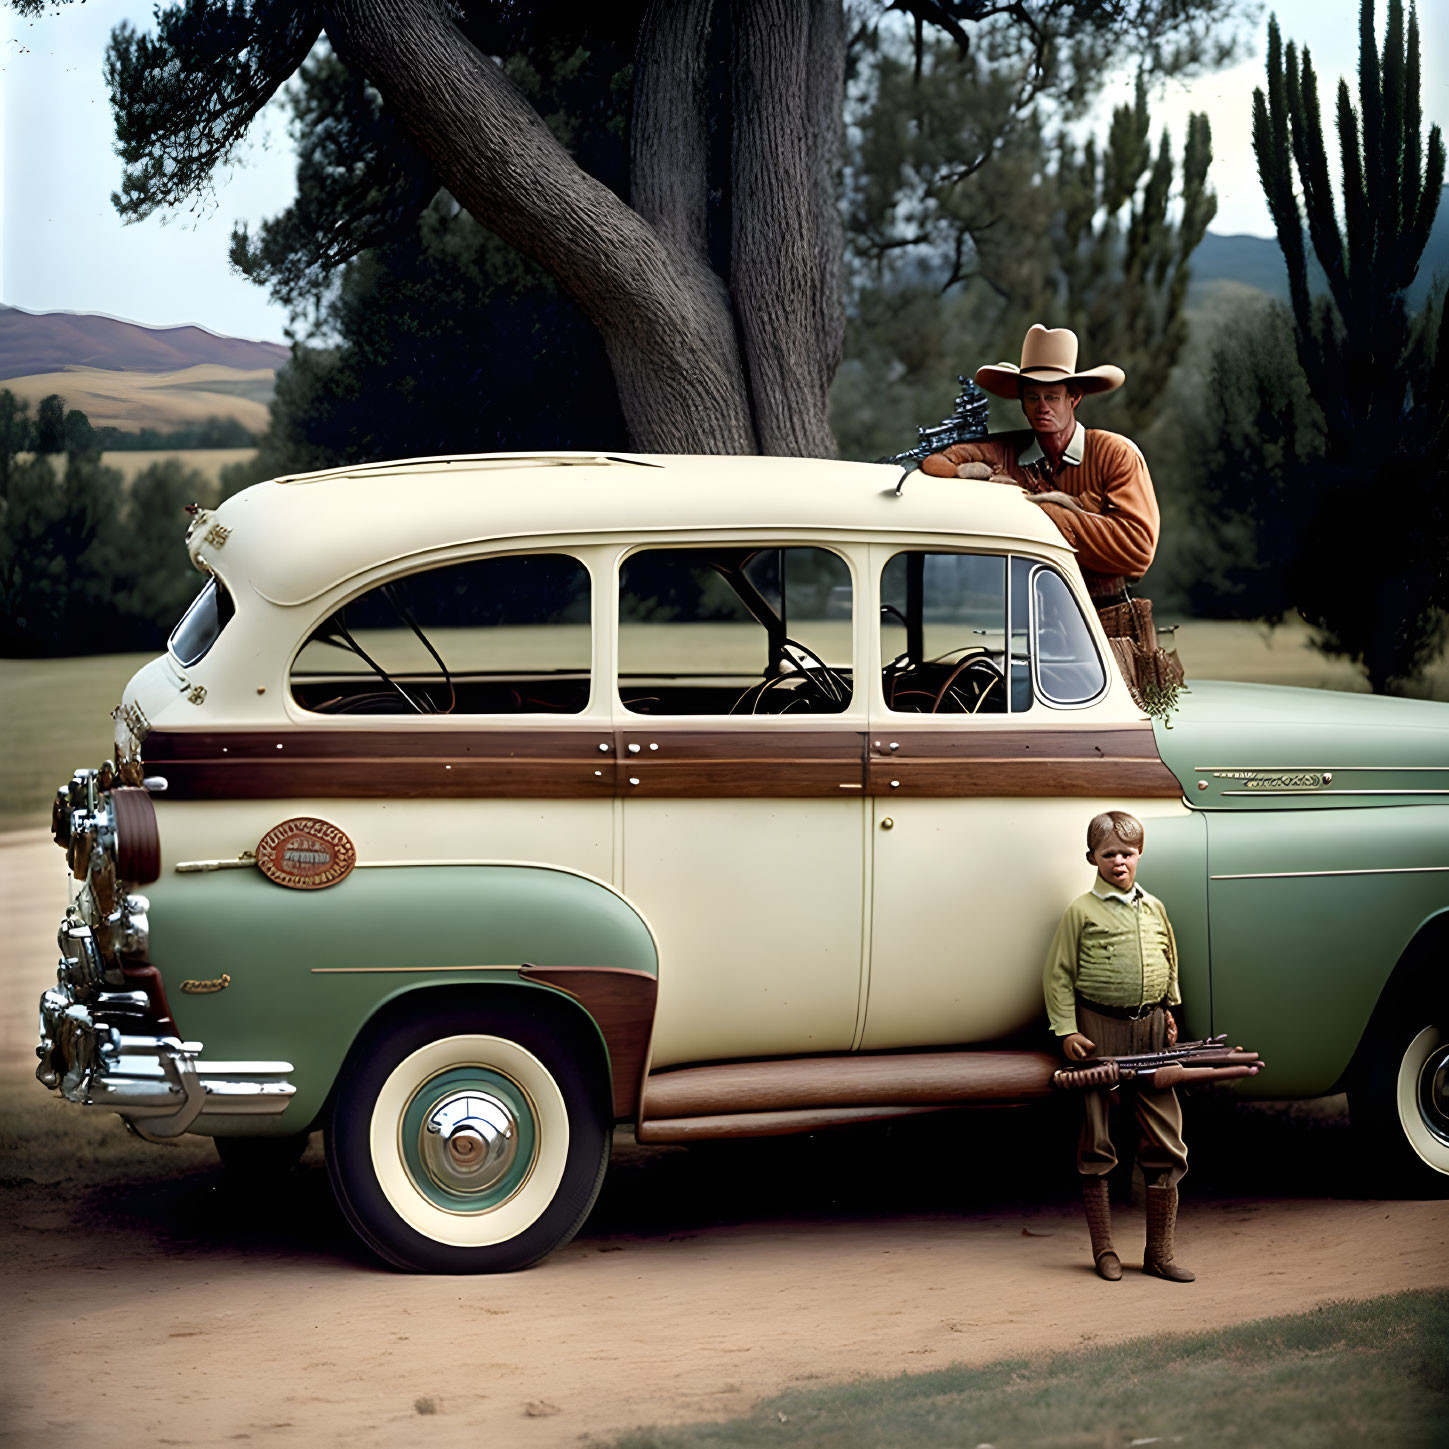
<point x="1122" y="256"/>
<point x="158" y="579"/>
<point x="80" y="437"/>
<point x="362" y="183"/>
<point x="436" y="337"/>
<point x="1342" y="1375"/>
<point x="60" y="550"/>
<point x="49" y="434"/>
<point x="87" y="566"/>
<point x="16" y="434"/>
<point x="447" y="341"/>
<point x="1376" y="374"/>
<point x="213" y="432"/>
<point x="1251" y="428"/>
<point x="970" y="220"/>
<point x="184" y="97"/>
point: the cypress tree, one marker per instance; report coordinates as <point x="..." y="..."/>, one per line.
<point x="1375" y="372"/>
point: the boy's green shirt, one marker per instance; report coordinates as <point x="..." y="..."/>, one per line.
<point x="1111" y="952"/>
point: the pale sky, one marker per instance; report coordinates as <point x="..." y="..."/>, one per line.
<point x="62" y="247"/>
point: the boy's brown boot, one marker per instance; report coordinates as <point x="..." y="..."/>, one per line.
<point x="1161" y="1222"/>
<point x="1099" y="1224"/>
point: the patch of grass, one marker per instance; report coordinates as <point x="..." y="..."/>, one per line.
<point x="1252" y="653"/>
<point x="1346" y="1374"/>
<point x="55" y="715"/>
<point x="207" y="461"/>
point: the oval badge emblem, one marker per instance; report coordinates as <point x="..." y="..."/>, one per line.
<point x="305" y="854"/>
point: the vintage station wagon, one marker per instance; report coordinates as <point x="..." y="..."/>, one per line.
<point x="480" y="804"/>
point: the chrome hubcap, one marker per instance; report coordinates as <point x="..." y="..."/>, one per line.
<point x="468" y="1142"/>
<point x="1434" y="1092"/>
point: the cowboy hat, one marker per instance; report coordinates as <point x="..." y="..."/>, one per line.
<point x="1048" y="355"/>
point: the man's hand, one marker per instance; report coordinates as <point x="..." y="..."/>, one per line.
<point x="1171" y="1027"/>
<point x="973" y="470"/>
<point x="1062" y="500"/>
<point x="1077" y="1048"/>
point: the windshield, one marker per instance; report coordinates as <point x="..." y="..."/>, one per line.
<point x="201" y="624"/>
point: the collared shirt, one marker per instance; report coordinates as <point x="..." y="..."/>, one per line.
<point x="1115" y="534"/>
<point x="1072" y="454"/>
<point x="1104" y="892"/>
<point x="1112" y="947"/>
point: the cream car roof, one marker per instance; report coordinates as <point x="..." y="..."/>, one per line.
<point x="294" y="538"/>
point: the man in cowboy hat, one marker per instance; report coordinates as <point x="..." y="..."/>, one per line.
<point x="1093" y="483"/>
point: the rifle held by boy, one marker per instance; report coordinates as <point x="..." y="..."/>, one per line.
<point x="1182" y="1065"/>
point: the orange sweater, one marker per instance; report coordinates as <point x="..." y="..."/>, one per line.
<point x="1116" y="535"/>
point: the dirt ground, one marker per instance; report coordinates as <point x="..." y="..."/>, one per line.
<point x="149" y="1300"/>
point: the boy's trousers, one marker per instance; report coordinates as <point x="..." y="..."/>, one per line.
<point x="1160" y="1148"/>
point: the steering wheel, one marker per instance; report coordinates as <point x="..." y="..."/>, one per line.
<point x="987" y="674"/>
<point x="822" y="681"/>
<point x="801" y="685"/>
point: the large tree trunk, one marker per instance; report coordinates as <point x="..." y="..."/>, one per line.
<point x="702" y="363"/>
<point x="669" y="161"/>
<point x="666" y="327"/>
<point x="789" y="77"/>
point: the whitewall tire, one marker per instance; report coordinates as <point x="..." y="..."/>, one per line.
<point x="470" y="1142"/>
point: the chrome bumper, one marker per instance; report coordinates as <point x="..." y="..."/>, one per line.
<point x="100" y="1054"/>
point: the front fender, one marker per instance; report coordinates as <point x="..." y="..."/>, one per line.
<point x="1310" y="912"/>
<point x="305" y="970"/>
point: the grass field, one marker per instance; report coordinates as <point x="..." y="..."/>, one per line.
<point x="1349" y="1374"/>
<point x="56" y="712"/>
<point x="56" y="715"/>
<point x="207" y="461"/>
<point x="123" y="399"/>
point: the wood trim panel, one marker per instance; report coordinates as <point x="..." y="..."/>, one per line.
<point x="1121" y="761"/>
<point x="909" y="1079"/>
<point x="767" y="763"/>
<point x="669" y="763"/>
<point x="621" y="1001"/>
<point x="767" y="1124"/>
<point x="544" y="763"/>
<point x="1017" y="741"/>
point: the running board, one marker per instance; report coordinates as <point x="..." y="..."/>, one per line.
<point x="761" y="1099"/>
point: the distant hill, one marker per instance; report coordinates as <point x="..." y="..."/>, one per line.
<point x="123" y="375"/>
<point x="38" y="342"/>
<point x="1257" y="262"/>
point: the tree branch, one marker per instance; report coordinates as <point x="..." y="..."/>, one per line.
<point x="669" y="338"/>
<point x="183" y="99"/>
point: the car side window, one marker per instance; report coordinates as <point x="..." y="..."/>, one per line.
<point x="943" y="633"/>
<point x="739" y="630"/>
<point x="505" y="635"/>
<point x="201" y="625"/>
<point x="1067" y="669"/>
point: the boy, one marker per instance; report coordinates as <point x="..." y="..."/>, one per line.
<point x="1110" y="976"/>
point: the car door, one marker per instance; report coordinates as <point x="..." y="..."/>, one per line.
<point x="997" y="732"/>
<point x="741" y="736"/>
<point x="455" y="709"/>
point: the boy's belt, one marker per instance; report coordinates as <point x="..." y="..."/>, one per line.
<point x="1123" y="1013"/>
